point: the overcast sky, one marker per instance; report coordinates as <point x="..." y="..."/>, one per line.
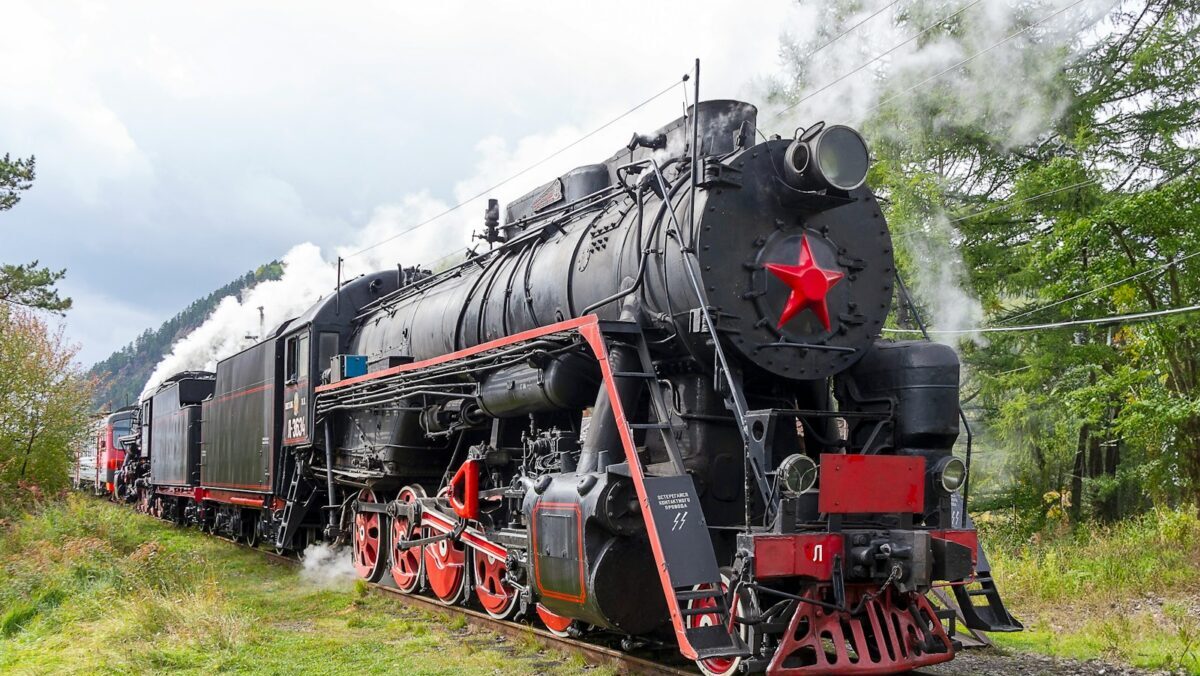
<point x="180" y="145"/>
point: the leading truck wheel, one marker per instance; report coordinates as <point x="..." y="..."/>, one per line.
<point x="370" y="541"/>
<point x="556" y="624"/>
<point x="720" y="666"/>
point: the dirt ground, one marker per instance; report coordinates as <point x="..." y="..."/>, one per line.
<point x="991" y="662"/>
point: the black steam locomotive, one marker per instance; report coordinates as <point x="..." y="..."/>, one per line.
<point x="657" y="408"/>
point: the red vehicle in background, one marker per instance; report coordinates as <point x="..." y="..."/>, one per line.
<point x="110" y="450"/>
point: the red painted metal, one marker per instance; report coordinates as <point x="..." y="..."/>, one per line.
<point x="592" y="334"/>
<point x="966" y="538"/>
<point x="464" y="490"/>
<point x="445" y="569"/>
<point x="807" y="555"/>
<point x="406" y="563"/>
<point x="871" y="484"/>
<point x="715" y="666"/>
<point x="810" y="284"/>
<point x="557" y="624"/>
<point x="445" y="565"/>
<point x="368" y="539"/>
<point x="587" y="326"/>
<point x="470" y="536"/>
<point x="496" y="596"/>
<point x="884" y="638"/>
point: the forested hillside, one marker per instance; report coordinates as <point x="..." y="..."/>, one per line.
<point x="122" y="375"/>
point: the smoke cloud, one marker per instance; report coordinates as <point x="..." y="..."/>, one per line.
<point x="976" y="70"/>
<point x="1012" y="90"/>
<point x="327" y="567"/>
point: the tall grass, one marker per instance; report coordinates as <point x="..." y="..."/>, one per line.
<point x="1155" y="553"/>
<point x="1126" y="591"/>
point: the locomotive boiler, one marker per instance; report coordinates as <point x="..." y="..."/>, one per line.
<point x="657" y="408"/>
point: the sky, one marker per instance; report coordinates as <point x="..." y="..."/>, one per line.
<point x="180" y="145"/>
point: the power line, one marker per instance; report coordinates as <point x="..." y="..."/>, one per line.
<point x="999" y="207"/>
<point x="971" y="57"/>
<point x="873" y="60"/>
<point x="522" y="172"/>
<point x="839" y="36"/>
<point x="1164" y="266"/>
<point x="1116" y="319"/>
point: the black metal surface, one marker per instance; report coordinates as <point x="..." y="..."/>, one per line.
<point x="174" y="442"/>
<point x="682" y="531"/>
<point x="239" y="429"/>
<point x="581" y="567"/>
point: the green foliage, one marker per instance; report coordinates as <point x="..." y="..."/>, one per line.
<point x="122" y="375"/>
<point x="31" y="286"/>
<point x="1049" y="228"/>
<point x="16" y="176"/>
<point x="44" y="404"/>
<point x="1121" y="590"/>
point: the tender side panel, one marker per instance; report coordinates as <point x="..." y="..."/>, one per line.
<point x="169" y="464"/>
<point x="239" y="422"/>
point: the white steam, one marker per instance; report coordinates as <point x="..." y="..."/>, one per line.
<point x="1011" y="87"/>
<point x="985" y="73"/>
<point x="1012" y="90"/>
<point x="940" y="280"/>
<point x="326" y="567"/>
<point x="387" y="239"/>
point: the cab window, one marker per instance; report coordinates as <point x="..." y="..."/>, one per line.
<point x="297" y="358"/>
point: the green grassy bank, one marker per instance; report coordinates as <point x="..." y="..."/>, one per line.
<point x="1127" y="592"/>
<point x="89" y="587"/>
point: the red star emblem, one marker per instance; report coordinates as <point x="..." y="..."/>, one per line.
<point x="809" y="283"/>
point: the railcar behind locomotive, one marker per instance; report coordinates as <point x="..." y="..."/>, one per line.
<point x="657" y="408"/>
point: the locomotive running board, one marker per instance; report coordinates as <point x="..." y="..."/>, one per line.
<point x="679" y="538"/>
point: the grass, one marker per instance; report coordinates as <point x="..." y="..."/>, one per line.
<point x="88" y="587"/>
<point x="1128" y="592"/>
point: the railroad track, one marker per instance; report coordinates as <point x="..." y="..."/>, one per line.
<point x="592" y="652"/>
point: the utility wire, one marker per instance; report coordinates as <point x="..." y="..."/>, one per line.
<point x="847" y="74"/>
<point x="1116" y="319"/>
<point x="851" y="29"/>
<point x="522" y="172"/>
<point x="1164" y="266"/>
<point x="972" y="57"/>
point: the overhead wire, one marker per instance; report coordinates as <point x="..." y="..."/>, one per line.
<point x="518" y="174"/>
<point x="1089" y="292"/>
<point x="1115" y="319"/>
<point x="876" y="58"/>
<point x="972" y="57"/>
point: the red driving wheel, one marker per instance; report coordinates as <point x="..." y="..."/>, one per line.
<point x="497" y="597"/>
<point x="406" y="563"/>
<point x="369" y="538"/>
<point x="445" y="566"/>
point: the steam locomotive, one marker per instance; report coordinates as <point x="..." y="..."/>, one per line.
<point x="657" y="408"/>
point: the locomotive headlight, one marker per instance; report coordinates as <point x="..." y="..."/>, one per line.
<point x="950" y="473"/>
<point x="827" y="157"/>
<point x="796" y="474"/>
<point x="842" y="157"/>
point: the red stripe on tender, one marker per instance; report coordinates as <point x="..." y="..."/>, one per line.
<point x="242" y="393"/>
